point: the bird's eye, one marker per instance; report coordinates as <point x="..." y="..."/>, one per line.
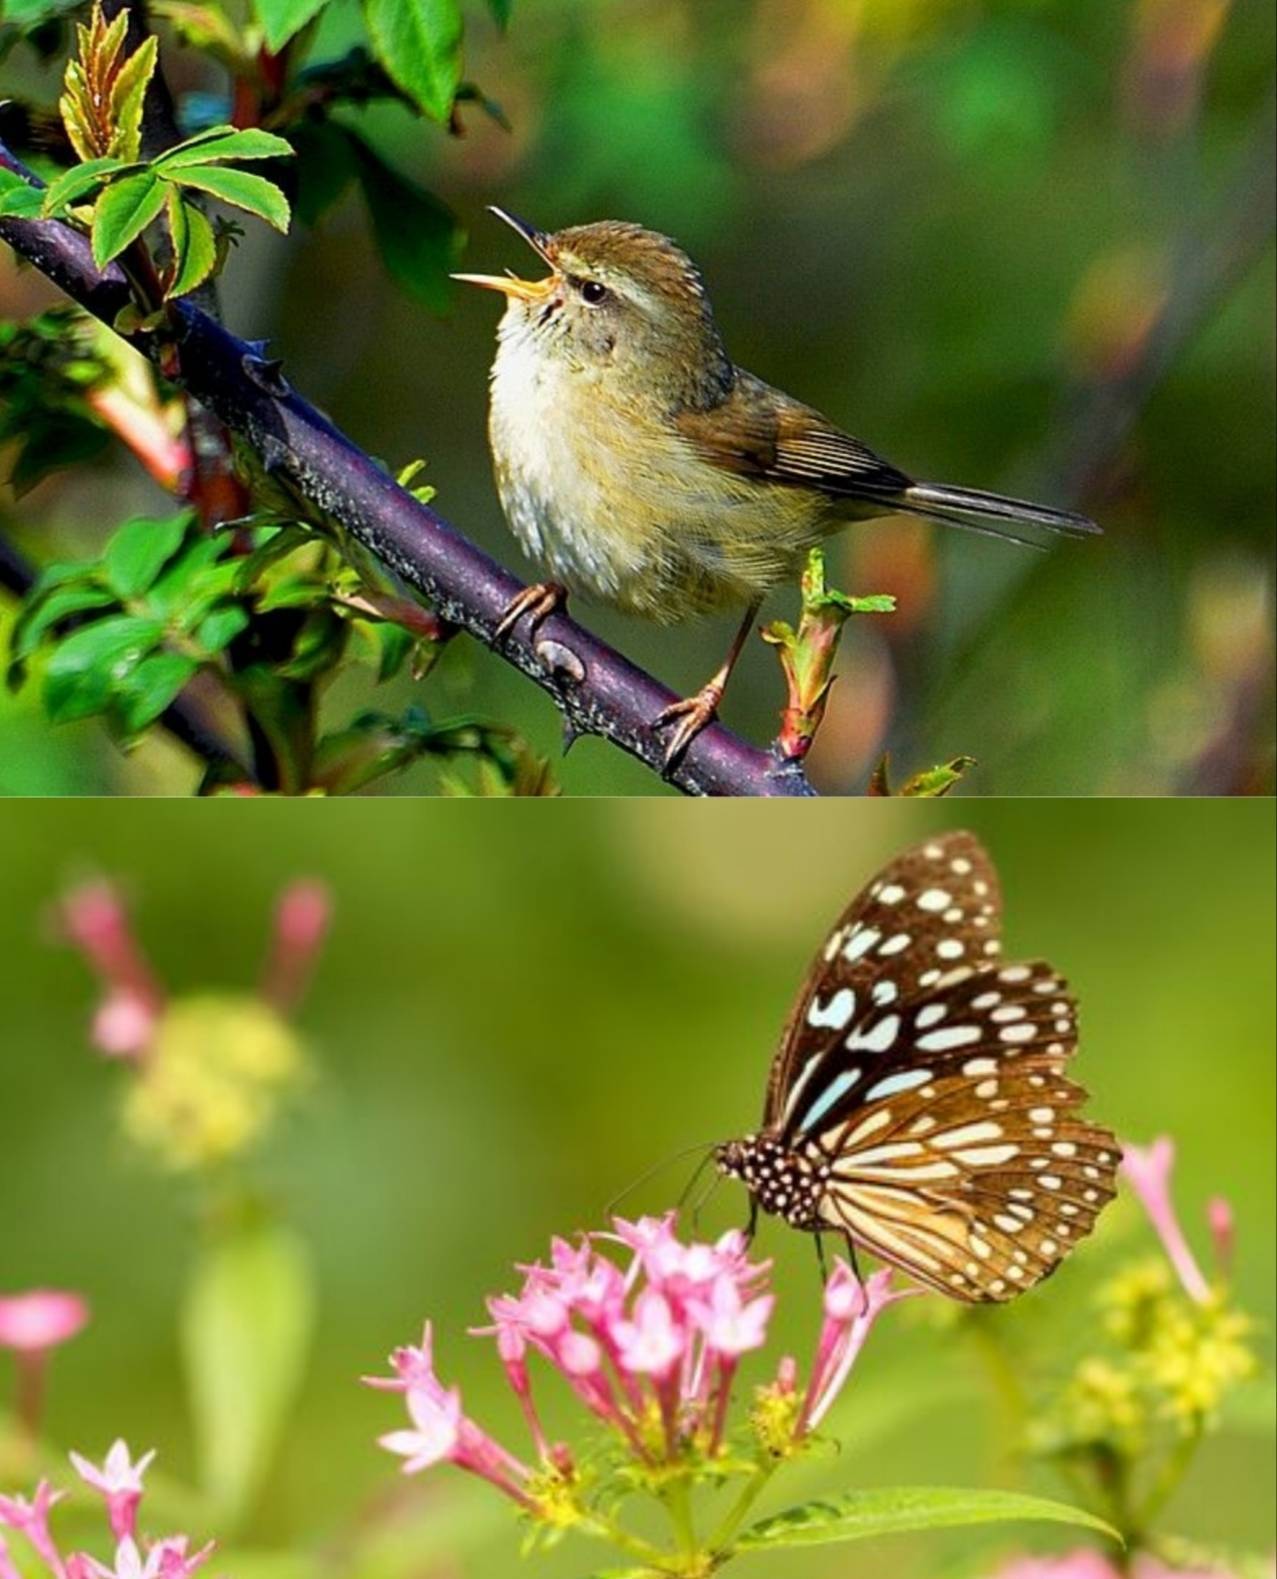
<point x="593" y="292"/>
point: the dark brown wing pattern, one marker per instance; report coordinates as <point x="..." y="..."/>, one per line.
<point x="924" y="1079"/>
<point x="760" y="432"/>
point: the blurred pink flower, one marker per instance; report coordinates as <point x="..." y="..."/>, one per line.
<point x="166" y="1559"/>
<point x="120" y="1482"/>
<point x="32" y="1520"/>
<point x="1087" y="1564"/>
<point x="1223" y="1233"/>
<point x="1148" y="1172"/>
<point x="123" y="1024"/>
<point x="301" y="923"/>
<point x="40" y="1319"/>
<point x="93" y="918"/>
<point x="667" y="1330"/>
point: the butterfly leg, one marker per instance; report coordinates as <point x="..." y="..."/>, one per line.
<point x="751" y="1227"/>
<point x="856" y="1273"/>
<point x="693" y="713"/>
<point x="820" y="1258"/>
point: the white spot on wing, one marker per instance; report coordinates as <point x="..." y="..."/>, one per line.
<point x="837" y="1013"/>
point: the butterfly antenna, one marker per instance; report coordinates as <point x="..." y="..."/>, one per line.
<point x="707" y="1147"/>
<point x="704" y="1199"/>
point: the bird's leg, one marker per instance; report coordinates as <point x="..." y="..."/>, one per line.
<point x="694" y="712"/>
<point x="539" y="601"/>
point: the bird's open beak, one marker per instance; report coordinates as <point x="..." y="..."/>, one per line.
<point x="510" y="284"/>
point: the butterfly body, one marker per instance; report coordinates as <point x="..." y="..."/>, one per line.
<point x="918" y="1104"/>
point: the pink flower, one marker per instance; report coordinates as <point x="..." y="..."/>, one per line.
<point x="1086" y="1564"/>
<point x="413" y="1366"/>
<point x="7" y="1569"/>
<point x="123" y="1024"/>
<point x="301" y="923"/>
<point x="436" y="1430"/>
<point x="93" y="918"/>
<point x="166" y="1559"/>
<point x="440" y="1430"/>
<point x="653" y="1342"/>
<point x="731" y="1324"/>
<point x="32" y="1520"/>
<point x="120" y="1482"/>
<point x="1148" y="1171"/>
<point x="1223" y="1233"/>
<point x="851" y="1308"/>
<point x="40" y="1319"/>
<point x="663" y="1337"/>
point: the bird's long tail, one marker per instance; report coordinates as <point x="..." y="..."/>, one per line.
<point x="992" y="513"/>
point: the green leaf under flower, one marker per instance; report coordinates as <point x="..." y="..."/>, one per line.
<point x="860" y="1515"/>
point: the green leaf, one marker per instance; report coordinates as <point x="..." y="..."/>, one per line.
<point x="253" y="193"/>
<point x="152" y="685"/>
<point x="194" y="246"/>
<point x="89" y="665"/>
<point x="859" y="1515"/>
<point x="128" y="92"/>
<point x="279" y="544"/>
<point x="280" y="19"/>
<point x="419" y="44"/>
<point x="501" y="10"/>
<point x="19" y="199"/>
<point x="122" y="212"/>
<point x="222" y="143"/>
<point x="42" y="612"/>
<point x="417" y="235"/>
<point x="78" y="182"/>
<point x="246" y="1332"/>
<point x="931" y="783"/>
<point x="139" y="550"/>
<point x="221" y="627"/>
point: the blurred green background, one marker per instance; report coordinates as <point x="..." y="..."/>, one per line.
<point x="517" y="1016"/>
<point x="1012" y="243"/>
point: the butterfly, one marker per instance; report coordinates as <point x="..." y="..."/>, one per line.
<point x="918" y="1103"/>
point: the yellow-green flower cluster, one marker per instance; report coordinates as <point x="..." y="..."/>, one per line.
<point x="1173" y="1361"/>
<point x="774" y="1420"/>
<point x="212" y="1081"/>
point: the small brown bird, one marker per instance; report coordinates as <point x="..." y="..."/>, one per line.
<point x="643" y="468"/>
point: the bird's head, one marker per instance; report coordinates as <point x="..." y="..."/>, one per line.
<point x="620" y="299"/>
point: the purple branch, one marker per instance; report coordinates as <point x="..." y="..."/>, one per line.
<point x="598" y="691"/>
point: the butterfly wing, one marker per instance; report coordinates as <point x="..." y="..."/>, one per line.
<point x="934" y="910"/>
<point x="932" y="1096"/>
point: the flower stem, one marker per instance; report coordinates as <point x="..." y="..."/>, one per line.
<point x="1169" y="1474"/>
<point x="677" y="1499"/>
<point x="750" y="1493"/>
<point x="29" y="1403"/>
<point x="605" y="1529"/>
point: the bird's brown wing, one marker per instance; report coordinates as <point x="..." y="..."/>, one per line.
<point x="759" y="432"/>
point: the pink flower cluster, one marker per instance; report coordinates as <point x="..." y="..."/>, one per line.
<point x="118" y="1480"/>
<point x="95" y="920"/>
<point x="649" y="1341"/>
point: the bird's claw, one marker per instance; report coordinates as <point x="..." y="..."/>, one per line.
<point x="690" y="716"/>
<point x="538" y="602"/>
